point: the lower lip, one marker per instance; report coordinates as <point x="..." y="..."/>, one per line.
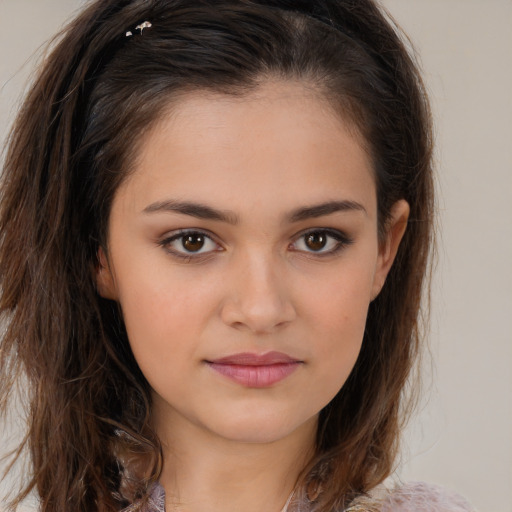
<point x="261" y="376"/>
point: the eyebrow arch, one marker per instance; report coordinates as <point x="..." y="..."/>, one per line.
<point x="197" y="210"/>
<point x="319" y="210"/>
<point x="202" y="211"/>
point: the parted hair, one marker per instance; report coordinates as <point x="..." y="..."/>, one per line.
<point x="98" y="91"/>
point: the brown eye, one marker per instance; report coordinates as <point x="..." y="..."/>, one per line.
<point x="189" y="244"/>
<point x="316" y="241"/>
<point x="321" y="242"/>
<point x="193" y="242"/>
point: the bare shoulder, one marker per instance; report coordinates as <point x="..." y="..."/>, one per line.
<point x="424" y="497"/>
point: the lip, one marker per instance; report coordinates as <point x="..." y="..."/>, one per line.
<point x="255" y="370"/>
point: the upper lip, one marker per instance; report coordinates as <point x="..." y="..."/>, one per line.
<point x="252" y="359"/>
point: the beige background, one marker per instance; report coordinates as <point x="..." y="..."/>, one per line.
<point x="462" y="436"/>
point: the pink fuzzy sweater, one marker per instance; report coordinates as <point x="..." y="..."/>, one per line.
<point x="423" y="497"/>
<point x="410" y="497"/>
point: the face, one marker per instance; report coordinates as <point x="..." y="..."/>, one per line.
<point x="243" y="252"/>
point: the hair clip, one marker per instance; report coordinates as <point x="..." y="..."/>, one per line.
<point x="141" y="27"/>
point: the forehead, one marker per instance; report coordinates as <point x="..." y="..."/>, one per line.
<point x="272" y="147"/>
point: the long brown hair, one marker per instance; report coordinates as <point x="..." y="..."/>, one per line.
<point x="76" y="138"/>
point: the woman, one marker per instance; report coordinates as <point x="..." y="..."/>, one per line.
<point x="216" y="221"/>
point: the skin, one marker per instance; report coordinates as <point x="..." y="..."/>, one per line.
<point x="254" y="286"/>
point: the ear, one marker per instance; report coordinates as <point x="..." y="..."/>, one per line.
<point x="395" y="229"/>
<point x="105" y="281"/>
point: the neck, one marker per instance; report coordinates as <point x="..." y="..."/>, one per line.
<point x="207" y="473"/>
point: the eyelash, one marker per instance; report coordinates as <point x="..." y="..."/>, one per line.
<point x="166" y="242"/>
<point x="341" y="239"/>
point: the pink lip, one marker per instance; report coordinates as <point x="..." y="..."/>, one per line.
<point x="255" y="370"/>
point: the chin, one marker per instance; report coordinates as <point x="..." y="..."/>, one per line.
<point x="263" y="429"/>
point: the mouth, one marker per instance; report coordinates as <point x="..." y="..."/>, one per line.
<point x="256" y="370"/>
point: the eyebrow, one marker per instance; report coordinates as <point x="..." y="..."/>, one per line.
<point x="202" y="211"/>
<point x="319" y="210"/>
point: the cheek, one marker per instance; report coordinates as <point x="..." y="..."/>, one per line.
<point x="339" y="301"/>
<point x="164" y="316"/>
<point x="337" y="316"/>
<point x="339" y="332"/>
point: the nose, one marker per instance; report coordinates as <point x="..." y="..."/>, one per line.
<point x="258" y="297"/>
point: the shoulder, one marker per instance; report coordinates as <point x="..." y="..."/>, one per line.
<point x="423" y="497"/>
<point x="408" y="497"/>
<point x="411" y="497"/>
<point x="155" y="501"/>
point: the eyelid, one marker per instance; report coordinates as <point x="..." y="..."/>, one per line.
<point x="179" y="233"/>
<point x="343" y="240"/>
